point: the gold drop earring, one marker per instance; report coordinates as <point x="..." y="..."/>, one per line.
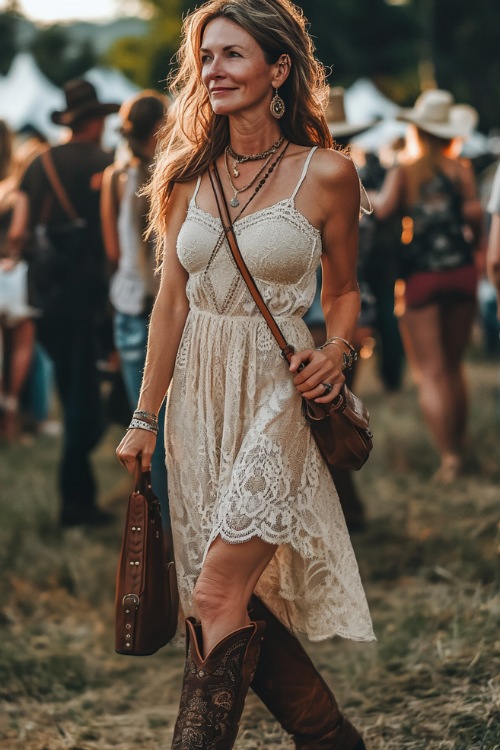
<point x="277" y="106"/>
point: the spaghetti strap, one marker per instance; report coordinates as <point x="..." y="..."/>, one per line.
<point x="192" y="202"/>
<point x="304" y="172"/>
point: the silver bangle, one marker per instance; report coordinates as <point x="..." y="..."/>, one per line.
<point x="141" y="425"/>
<point x="332" y="339"/>
<point x="146" y="414"/>
<point x="348" y="358"/>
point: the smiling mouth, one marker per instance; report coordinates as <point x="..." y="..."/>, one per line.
<point x="221" y="91"/>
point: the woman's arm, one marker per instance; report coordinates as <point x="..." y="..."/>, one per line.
<point x="493" y="257"/>
<point x="109" y="213"/>
<point x="386" y="202"/>
<point x="18" y="230"/>
<point x="472" y="210"/>
<point x="338" y="194"/>
<point x="165" y="330"/>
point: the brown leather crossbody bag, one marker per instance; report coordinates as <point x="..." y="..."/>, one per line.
<point x="341" y="429"/>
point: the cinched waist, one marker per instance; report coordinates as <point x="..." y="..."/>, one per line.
<point x="254" y="317"/>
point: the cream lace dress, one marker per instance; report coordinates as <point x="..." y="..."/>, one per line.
<point x="241" y="460"/>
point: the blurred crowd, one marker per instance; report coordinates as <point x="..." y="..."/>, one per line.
<point x="77" y="277"/>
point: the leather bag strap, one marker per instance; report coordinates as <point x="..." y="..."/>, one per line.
<point x="286" y="349"/>
<point x="57" y="186"/>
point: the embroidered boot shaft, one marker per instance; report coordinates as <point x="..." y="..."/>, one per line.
<point x="291" y="688"/>
<point x="214" y="688"/>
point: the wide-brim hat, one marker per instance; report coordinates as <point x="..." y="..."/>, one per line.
<point x="81" y="102"/>
<point x="436" y="113"/>
<point x="337" y="120"/>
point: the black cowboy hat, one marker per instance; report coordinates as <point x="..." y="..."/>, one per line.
<point x="81" y="102"/>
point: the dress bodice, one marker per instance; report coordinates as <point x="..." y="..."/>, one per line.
<point x="280" y="247"/>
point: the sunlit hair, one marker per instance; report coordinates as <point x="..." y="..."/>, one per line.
<point x="5" y="150"/>
<point x="193" y="135"/>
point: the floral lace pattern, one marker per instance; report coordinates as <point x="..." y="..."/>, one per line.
<point x="240" y="456"/>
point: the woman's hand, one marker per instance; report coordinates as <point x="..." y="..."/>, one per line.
<point x="136" y="442"/>
<point x="322" y="369"/>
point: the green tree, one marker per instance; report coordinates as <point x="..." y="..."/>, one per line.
<point x="8" y="39"/>
<point x="466" y="51"/>
<point x="148" y="60"/>
<point x="59" y="57"/>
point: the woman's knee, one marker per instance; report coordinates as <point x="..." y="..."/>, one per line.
<point x="212" y="596"/>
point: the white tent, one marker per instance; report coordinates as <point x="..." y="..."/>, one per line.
<point x="364" y="102"/>
<point x="28" y="98"/>
<point x="111" y="85"/>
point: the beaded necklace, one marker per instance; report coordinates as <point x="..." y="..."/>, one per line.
<point x="258" y="187"/>
<point x="241" y="159"/>
<point x="236" y="191"/>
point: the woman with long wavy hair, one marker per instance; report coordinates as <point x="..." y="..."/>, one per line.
<point x="262" y="550"/>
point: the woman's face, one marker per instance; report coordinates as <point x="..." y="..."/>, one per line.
<point x="234" y="69"/>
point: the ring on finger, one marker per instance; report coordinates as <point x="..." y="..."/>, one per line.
<point x="328" y="388"/>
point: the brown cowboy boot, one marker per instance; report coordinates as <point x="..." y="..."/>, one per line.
<point x="289" y="685"/>
<point x="214" y="688"/>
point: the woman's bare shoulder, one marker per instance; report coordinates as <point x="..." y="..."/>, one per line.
<point x="181" y="195"/>
<point x="334" y="170"/>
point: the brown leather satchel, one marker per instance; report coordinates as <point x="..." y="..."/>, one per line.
<point x="341" y="429"/>
<point x="147" y="599"/>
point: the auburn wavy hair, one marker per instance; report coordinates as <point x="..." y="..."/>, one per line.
<point x="193" y="135"/>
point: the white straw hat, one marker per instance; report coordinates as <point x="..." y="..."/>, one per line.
<point x="435" y="113"/>
<point x="336" y="117"/>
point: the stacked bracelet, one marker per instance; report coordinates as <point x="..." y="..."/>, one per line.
<point x="140" y="424"/>
<point x="146" y="415"/>
<point x="349" y="357"/>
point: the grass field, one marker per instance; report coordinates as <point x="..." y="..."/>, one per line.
<point x="429" y="559"/>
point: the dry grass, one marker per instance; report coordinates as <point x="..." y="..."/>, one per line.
<point x="429" y="559"/>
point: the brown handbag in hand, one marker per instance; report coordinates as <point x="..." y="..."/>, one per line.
<point x="341" y="429"/>
<point x="147" y="599"/>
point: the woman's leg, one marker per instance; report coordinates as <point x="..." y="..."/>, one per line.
<point x="20" y="341"/>
<point x="222" y="653"/>
<point x="423" y="337"/>
<point x="226" y="583"/>
<point x="456" y="320"/>
<point x="290" y="686"/>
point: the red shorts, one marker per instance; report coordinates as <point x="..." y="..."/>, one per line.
<point x="431" y="287"/>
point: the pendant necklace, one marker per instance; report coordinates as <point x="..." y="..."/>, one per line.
<point x="234" y="202"/>
<point x="257" y="189"/>
<point x="241" y="159"/>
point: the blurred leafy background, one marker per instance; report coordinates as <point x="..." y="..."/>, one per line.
<point x="401" y="45"/>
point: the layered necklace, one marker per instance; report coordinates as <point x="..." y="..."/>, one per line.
<point x="257" y="188"/>
<point x="241" y="159"/>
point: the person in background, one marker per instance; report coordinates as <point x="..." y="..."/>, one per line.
<point x="16" y="316"/>
<point x="68" y="329"/>
<point x="379" y="259"/>
<point x="493" y="253"/>
<point x="441" y="226"/>
<point x="134" y="285"/>
<point x="261" y="546"/>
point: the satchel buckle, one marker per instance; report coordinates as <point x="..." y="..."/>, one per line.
<point x="133" y="597"/>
